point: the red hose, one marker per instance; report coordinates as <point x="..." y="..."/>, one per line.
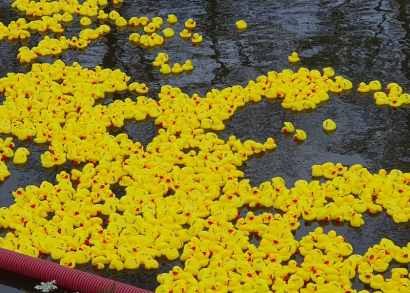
<point x="66" y="278"/>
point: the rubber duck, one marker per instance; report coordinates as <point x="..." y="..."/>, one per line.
<point x="317" y="171"/>
<point x="113" y="15"/>
<point x="20" y="156"/>
<point x="377" y="282"/>
<point x="168" y="32"/>
<point x="294" y="58"/>
<point x="289" y="128"/>
<point x="363" y="88"/>
<point x="150" y="28"/>
<point x="172" y="19"/>
<point x="133" y="22"/>
<point x="85" y="21"/>
<point x="185" y="34"/>
<point x="121" y="22"/>
<point x="402" y="256"/>
<point x="329" y="71"/>
<point x="270" y="144"/>
<point x="300" y="135"/>
<point x="329" y="125"/>
<point x="135" y="37"/>
<point x="102" y="15"/>
<point x="190" y="23"/>
<point x="380" y="266"/>
<point x="241" y="25"/>
<point x="67" y="17"/>
<point x="196" y="38"/>
<point x="375" y="85"/>
<point x="165" y="69"/>
<point x="188" y="65"/>
<point x="171" y="253"/>
<point x="357" y="220"/>
<point x="177" y="68"/>
<point x="67" y="262"/>
<point x="116" y="264"/>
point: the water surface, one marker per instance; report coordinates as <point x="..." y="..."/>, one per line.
<point x="361" y="40"/>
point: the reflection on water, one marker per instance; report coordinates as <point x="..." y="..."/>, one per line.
<point x="361" y="40"/>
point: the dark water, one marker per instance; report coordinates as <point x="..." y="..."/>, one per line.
<point x="361" y="40"/>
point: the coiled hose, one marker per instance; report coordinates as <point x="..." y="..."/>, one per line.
<point x="66" y="278"/>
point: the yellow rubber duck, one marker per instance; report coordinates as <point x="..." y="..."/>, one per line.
<point x="67" y="262"/>
<point x="67" y="17"/>
<point x="375" y="85"/>
<point x="121" y="22"/>
<point x="188" y="65"/>
<point x="241" y="25"/>
<point x="133" y="22"/>
<point x="113" y="15"/>
<point x="329" y="71"/>
<point x="185" y="34"/>
<point x="102" y="15"/>
<point x="135" y="37"/>
<point x="190" y="23"/>
<point x="294" y="58"/>
<point x="289" y="128"/>
<point x="150" y="28"/>
<point x="168" y="32"/>
<point x="317" y="171"/>
<point x="300" y="135"/>
<point x="85" y="21"/>
<point x="329" y="125"/>
<point x="172" y="19"/>
<point x="270" y="144"/>
<point x="363" y="88"/>
<point x="177" y="68"/>
<point x="142" y="89"/>
<point x="165" y="69"/>
<point x="20" y="156"/>
<point x="196" y="38"/>
<point x="347" y="85"/>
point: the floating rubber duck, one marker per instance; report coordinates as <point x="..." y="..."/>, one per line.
<point x="121" y="22"/>
<point x="329" y="125"/>
<point x="300" y="135"/>
<point x="172" y="19"/>
<point x="329" y="71"/>
<point x="67" y="17"/>
<point x="289" y="128"/>
<point x="317" y="171"/>
<point x="294" y="58"/>
<point x="177" y="68"/>
<point x="363" y="88"/>
<point x="188" y="65"/>
<point x="375" y="85"/>
<point x="165" y="69"/>
<point x="20" y="156"/>
<point x="196" y="38"/>
<point x="168" y="32"/>
<point x="241" y="25"/>
<point x="113" y="15"/>
<point x="135" y="37"/>
<point x="185" y="34"/>
<point x="102" y="15"/>
<point x="85" y="21"/>
<point x="190" y="23"/>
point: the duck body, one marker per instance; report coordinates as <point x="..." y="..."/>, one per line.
<point x="294" y="58"/>
<point x="329" y="125"/>
<point x="241" y="25"/>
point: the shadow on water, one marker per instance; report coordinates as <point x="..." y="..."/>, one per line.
<point x="212" y="28"/>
